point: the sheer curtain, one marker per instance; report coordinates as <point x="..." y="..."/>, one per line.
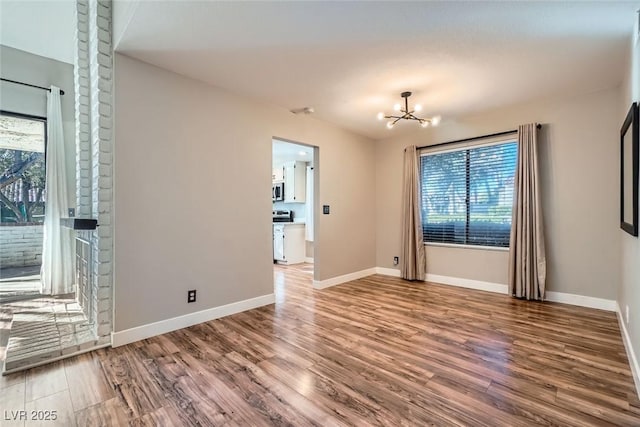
<point x="413" y="265"/>
<point x="57" y="257"/>
<point x="527" y="259"/>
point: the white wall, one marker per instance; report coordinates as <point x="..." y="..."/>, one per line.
<point x="629" y="288"/>
<point x="579" y="168"/>
<point x="38" y="70"/>
<point x="192" y="185"/>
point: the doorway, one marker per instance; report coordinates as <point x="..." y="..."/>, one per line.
<point x="293" y="180"/>
<point x="22" y="204"/>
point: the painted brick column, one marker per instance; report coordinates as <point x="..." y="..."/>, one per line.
<point x="82" y="110"/>
<point x="94" y="120"/>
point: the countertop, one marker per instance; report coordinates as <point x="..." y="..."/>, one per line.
<point x="289" y="223"/>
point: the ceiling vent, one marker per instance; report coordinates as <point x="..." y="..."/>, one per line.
<point x="303" y="110"/>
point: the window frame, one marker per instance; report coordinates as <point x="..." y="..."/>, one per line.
<point x="464" y="146"/>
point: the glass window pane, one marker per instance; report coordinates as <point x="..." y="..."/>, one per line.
<point x="22" y="170"/>
<point x="491" y="176"/>
<point x="443" y="197"/>
<point x="467" y="195"/>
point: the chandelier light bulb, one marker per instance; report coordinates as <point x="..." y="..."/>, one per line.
<point x="417" y="108"/>
<point x="436" y="120"/>
<point x="380" y="116"/>
<point x="424" y="123"/>
<point x="389" y="125"/>
<point x="396" y="107"/>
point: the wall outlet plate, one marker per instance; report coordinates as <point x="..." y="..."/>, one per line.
<point x="72" y="212"/>
<point x="396" y="260"/>
<point x="191" y="296"/>
<point x="326" y="209"/>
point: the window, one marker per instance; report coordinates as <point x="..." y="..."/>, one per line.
<point x="22" y="168"/>
<point x="467" y="194"/>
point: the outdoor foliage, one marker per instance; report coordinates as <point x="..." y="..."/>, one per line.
<point x="467" y="195"/>
<point x="22" y="186"/>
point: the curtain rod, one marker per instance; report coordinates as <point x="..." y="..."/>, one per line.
<point x="30" y="85"/>
<point x="491" y="135"/>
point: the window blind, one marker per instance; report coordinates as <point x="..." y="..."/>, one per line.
<point x="467" y="194"/>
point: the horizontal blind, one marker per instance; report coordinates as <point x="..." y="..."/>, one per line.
<point x="467" y="195"/>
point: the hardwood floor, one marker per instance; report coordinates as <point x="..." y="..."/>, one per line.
<point x="375" y="351"/>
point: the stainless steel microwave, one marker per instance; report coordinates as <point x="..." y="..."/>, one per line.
<point x="277" y="192"/>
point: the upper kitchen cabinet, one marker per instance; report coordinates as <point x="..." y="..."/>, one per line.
<point x="277" y="174"/>
<point x="295" y="176"/>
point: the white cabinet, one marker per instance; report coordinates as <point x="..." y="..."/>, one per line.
<point x="295" y="175"/>
<point x="288" y="243"/>
<point x="277" y="174"/>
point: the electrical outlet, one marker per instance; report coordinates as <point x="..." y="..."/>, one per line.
<point x="396" y="260"/>
<point x="326" y="209"/>
<point x="191" y="295"/>
<point x="626" y="314"/>
<point x="72" y="212"/>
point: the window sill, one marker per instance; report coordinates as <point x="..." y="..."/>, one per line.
<point x="459" y="246"/>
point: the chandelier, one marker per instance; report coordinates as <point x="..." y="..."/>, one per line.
<point x="407" y="114"/>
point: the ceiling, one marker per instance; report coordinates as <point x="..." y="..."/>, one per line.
<point x="350" y="60"/>
<point x="45" y="28"/>
<point x="285" y="152"/>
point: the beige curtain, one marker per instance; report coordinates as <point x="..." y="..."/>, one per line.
<point x="413" y="261"/>
<point x="527" y="260"/>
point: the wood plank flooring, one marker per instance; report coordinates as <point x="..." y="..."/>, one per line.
<point x="375" y="351"/>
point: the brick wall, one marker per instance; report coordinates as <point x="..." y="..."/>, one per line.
<point x="21" y="245"/>
<point x="94" y="160"/>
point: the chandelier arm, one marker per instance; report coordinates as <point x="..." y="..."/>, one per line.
<point x="407" y="114"/>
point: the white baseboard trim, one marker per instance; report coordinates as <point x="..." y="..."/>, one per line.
<point x="580" y="300"/>
<point x="394" y="272"/>
<point x="162" y="327"/>
<point x="631" y="355"/>
<point x="468" y="283"/>
<point x="321" y="284"/>
<point x="309" y="260"/>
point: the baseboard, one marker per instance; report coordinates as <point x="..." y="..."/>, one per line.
<point x="631" y="355"/>
<point x="309" y="260"/>
<point x="394" y="272"/>
<point x="580" y="300"/>
<point x="468" y="283"/>
<point x="162" y="327"/>
<point x="321" y="284"/>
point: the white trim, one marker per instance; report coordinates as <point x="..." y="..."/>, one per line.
<point x="321" y="284"/>
<point x="308" y="260"/>
<point x="581" y="300"/>
<point x="468" y="283"/>
<point x="631" y="355"/>
<point x="394" y="272"/>
<point x="162" y="327"/>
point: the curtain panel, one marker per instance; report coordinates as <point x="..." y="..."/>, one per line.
<point x="413" y="261"/>
<point x="527" y="258"/>
<point x="57" y="252"/>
